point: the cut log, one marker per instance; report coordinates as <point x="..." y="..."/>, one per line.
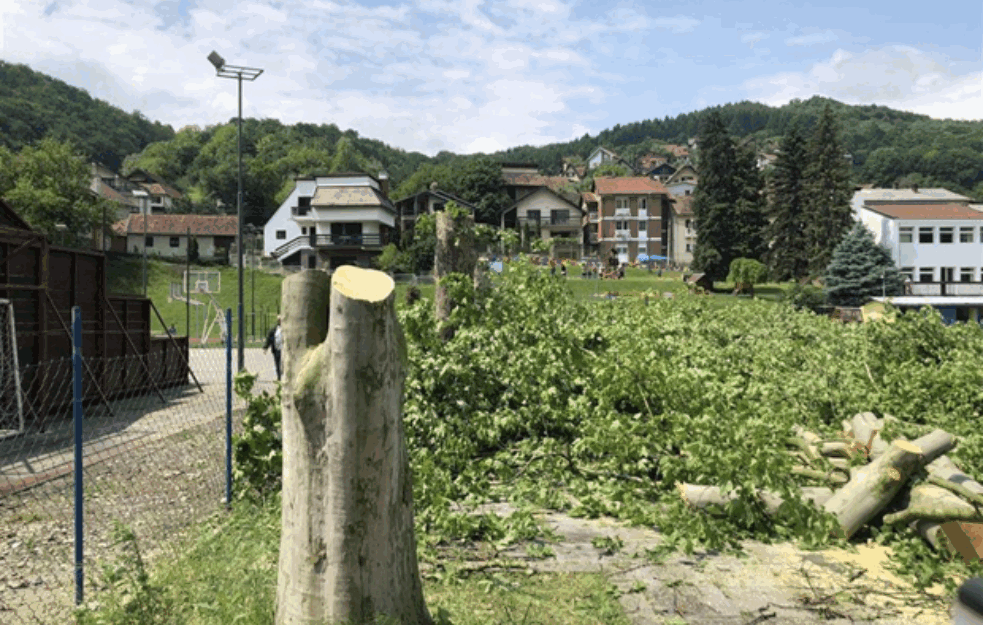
<point x="847" y="427"/>
<point x="839" y="463"/>
<point x="347" y="548"/>
<point x="840" y="449"/>
<point x="934" y="444"/>
<point x="874" y="486"/>
<point x="966" y="538"/>
<point x="702" y="497"/>
<point x="866" y="431"/>
<point x="933" y="503"/>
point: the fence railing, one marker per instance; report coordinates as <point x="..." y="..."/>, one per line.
<point x="155" y="458"/>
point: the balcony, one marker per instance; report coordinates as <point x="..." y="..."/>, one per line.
<point x="622" y="212"/>
<point x="333" y="241"/>
<point x="622" y="235"/>
<point x="947" y="288"/>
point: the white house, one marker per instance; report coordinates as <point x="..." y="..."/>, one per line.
<point x="602" y="155"/>
<point x="683" y="181"/>
<point x="546" y="214"/>
<point x="939" y="248"/>
<point x="167" y="235"/>
<point x="332" y="220"/>
<point x="912" y="195"/>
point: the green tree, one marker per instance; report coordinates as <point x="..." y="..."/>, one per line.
<point x="49" y="185"/>
<point x="347" y="158"/>
<point x="828" y="193"/>
<point x="726" y="203"/>
<point x="788" y="257"/>
<point x="745" y="273"/>
<point x="614" y="170"/>
<point x="481" y="183"/>
<point x="861" y="269"/>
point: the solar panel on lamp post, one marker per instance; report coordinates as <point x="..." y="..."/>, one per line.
<point x="239" y="73"/>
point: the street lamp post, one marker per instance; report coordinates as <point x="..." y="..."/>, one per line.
<point x="239" y="73"/>
<point x="142" y="196"/>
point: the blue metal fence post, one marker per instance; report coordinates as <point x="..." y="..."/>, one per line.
<point x="228" y="407"/>
<point x="77" y="430"/>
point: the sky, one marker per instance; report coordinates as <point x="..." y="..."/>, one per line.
<point x="472" y="76"/>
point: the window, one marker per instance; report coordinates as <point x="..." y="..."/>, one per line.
<point x="966" y="274"/>
<point x="689" y="224"/>
<point x="303" y="205"/>
<point x="689" y="247"/>
<point x="621" y="202"/>
<point x="643" y="203"/>
<point x="687" y="191"/>
<point x="945" y="234"/>
<point x="149" y="242"/>
<point x="966" y="234"/>
<point x="560" y="216"/>
<point x="532" y="215"/>
<point x="926" y="274"/>
<point x="281" y="234"/>
<point x="908" y="273"/>
<point x="926" y="235"/>
<point x="643" y="225"/>
<point x="622" y="249"/>
<point x="621" y="225"/>
<point x="947" y="274"/>
<point x="905" y="235"/>
<point x="303" y="230"/>
<point x="175" y="242"/>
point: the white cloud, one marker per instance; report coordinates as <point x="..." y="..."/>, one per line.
<point x="902" y="77"/>
<point x="812" y="39"/>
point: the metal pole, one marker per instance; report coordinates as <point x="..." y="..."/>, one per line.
<point x="144" y="203"/>
<point x="253" y="287"/>
<point x="242" y="328"/>
<point x="77" y="427"/>
<point x="187" y="292"/>
<point x="228" y="408"/>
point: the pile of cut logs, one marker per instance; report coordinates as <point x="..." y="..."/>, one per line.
<point x="864" y="476"/>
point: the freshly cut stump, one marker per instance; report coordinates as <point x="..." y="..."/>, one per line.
<point x="347" y="551"/>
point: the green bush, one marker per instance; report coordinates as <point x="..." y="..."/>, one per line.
<point x="258" y="451"/>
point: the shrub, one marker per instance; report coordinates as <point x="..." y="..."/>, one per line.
<point x="258" y="451"/>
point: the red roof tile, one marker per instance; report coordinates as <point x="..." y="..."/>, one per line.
<point x="638" y="185"/>
<point x="202" y="225"/>
<point x="926" y="211"/>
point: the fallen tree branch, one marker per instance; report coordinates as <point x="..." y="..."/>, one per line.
<point x="702" y="497"/>
<point x="973" y="498"/>
<point x="932" y="503"/>
<point x="830" y="477"/>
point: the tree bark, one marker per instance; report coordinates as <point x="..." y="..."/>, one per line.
<point x="454" y="253"/>
<point x="934" y="503"/>
<point x="347" y="551"/>
<point x="872" y="487"/>
<point x="958" y="534"/>
<point x="866" y="431"/>
<point x="704" y="496"/>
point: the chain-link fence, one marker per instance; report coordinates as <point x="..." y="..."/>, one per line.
<point x="151" y="457"/>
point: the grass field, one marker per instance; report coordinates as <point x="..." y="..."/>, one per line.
<point x="126" y="276"/>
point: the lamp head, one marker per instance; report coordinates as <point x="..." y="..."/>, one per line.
<point x="215" y="59"/>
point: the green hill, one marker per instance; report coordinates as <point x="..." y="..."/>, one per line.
<point x="34" y="105"/>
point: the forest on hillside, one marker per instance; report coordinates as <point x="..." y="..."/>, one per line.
<point x="887" y="147"/>
<point x="34" y="106"/>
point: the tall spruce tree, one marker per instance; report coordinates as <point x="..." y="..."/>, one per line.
<point x="860" y="269"/>
<point x="727" y="203"/>
<point x="828" y="193"/>
<point x="748" y="210"/>
<point x="788" y="257"/>
<point x="712" y="199"/>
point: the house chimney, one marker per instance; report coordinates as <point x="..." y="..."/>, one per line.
<point x="384" y="183"/>
<point x="914" y="188"/>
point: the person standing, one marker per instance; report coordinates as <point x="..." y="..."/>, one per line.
<point x="274" y="342"/>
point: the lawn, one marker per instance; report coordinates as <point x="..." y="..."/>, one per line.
<point x="126" y="276"/>
<point x="227" y="573"/>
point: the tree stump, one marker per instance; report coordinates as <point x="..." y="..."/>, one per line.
<point x="454" y="253"/>
<point x="347" y="551"/>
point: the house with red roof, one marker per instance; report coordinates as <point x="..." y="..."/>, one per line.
<point x="167" y="235"/>
<point x="937" y="245"/>
<point x="632" y="217"/>
<point x="162" y="194"/>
